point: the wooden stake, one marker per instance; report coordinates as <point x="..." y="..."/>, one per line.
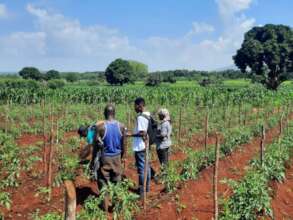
<point x="145" y="175"/>
<point x="206" y="129"/>
<point x="262" y="145"/>
<point x="179" y="129"/>
<point x="239" y="114"/>
<point x="52" y="136"/>
<point x="216" y="168"/>
<point x="6" y="117"/>
<point x="44" y="139"/>
<point x="70" y="200"/>
<point x="245" y="117"/>
<point x="281" y="125"/>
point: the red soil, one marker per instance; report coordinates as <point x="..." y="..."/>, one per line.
<point x="25" y="201"/>
<point x="283" y="197"/>
<point x="28" y="139"/>
<point x="196" y="197"/>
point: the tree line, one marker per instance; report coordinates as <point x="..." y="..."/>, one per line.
<point x="265" y="56"/>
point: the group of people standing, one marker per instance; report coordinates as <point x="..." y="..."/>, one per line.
<point x="107" y="143"/>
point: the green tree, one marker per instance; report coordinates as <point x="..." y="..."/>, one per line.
<point x="140" y="69"/>
<point x="268" y="52"/>
<point x="119" y="72"/>
<point x="30" y="73"/>
<point x="154" y="79"/>
<point x="52" y="74"/>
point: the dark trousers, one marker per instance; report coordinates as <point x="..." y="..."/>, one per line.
<point x="163" y="155"/>
<point x="110" y="170"/>
<point x="140" y="164"/>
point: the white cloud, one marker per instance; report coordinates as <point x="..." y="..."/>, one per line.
<point x="3" y="11"/>
<point x="228" y="8"/>
<point x="66" y="44"/>
<point x="199" y="28"/>
<point x="207" y="54"/>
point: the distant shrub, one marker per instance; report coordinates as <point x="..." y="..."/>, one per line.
<point x="20" y="84"/>
<point x="153" y="80"/>
<point x="170" y="79"/>
<point x="210" y="81"/>
<point x="56" y="84"/>
<point x="93" y="83"/>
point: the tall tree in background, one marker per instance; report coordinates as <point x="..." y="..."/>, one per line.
<point x="30" y="73"/>
<point x="52" y="74"/>
<point x="267" y="52"/>
<point x="119" y="72"/>
<point x="140" y="69"/>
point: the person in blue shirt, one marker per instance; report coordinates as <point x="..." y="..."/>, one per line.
<point x="110" y="137"/>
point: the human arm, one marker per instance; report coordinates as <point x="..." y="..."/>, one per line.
<point x="142" y="126"/>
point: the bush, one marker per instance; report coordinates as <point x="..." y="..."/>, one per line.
<point x="20" y="84"/>
<point x="170" y="79"/>
<point x="56" y="84"/>
<point x="153" y="80"/>
<point x="92" y="83"/>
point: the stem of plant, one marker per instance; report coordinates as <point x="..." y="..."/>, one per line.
<point x="145" y="175"/>
<point x="262" y="145"/>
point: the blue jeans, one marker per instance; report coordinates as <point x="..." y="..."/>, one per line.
<point x="140" y="162"/>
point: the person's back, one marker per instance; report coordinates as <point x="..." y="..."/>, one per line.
<point x="164" y="136"/>
<point x="112" y="139"/>
<point x="111" y="135"/>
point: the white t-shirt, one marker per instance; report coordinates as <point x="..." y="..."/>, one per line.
<point x="141" y="125"/>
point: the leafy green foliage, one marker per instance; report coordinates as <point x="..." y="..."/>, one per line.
<point x="5" y="200"/>
<point x="195" y="162"/>
<point x="153" y="80"/>
<point x="124" y="201"/>
<point x="10" y="162"/>
<point x="92" y="210"/>
<point x="251" y="197"/>
<point x="140" y="69"/>
<point x="52" y="74"/>
<point x="267" y="51"/>
<point x="170" y="176"/>
<point x="234" y="138"/>
<point x="119" y="72"/>
<point x="67" y="168"/>
<point x="56" y="84"/>
<point x="47" y="216"/>
<point x="31" y="73"/>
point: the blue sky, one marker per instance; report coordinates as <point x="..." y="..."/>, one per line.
<point x="86" y="35"/>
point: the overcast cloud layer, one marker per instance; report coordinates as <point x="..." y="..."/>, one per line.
<point x="64" y="44"/>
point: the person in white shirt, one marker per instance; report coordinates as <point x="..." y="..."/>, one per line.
<point x="140" y="140"/>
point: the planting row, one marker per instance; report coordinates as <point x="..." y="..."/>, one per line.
<point x="252" y="196"/>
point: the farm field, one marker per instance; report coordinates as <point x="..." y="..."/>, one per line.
<point x="146" y="110"/>
<point x="40" y="148"/>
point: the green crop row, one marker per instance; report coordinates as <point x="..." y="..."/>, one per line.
<point x="252" y="195"/>
<point x="198" y="160"/>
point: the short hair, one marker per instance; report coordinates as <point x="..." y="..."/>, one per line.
<point x="82" y="130"/>
<point x="139" y="101"/>
<point x="109" y="110"/>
